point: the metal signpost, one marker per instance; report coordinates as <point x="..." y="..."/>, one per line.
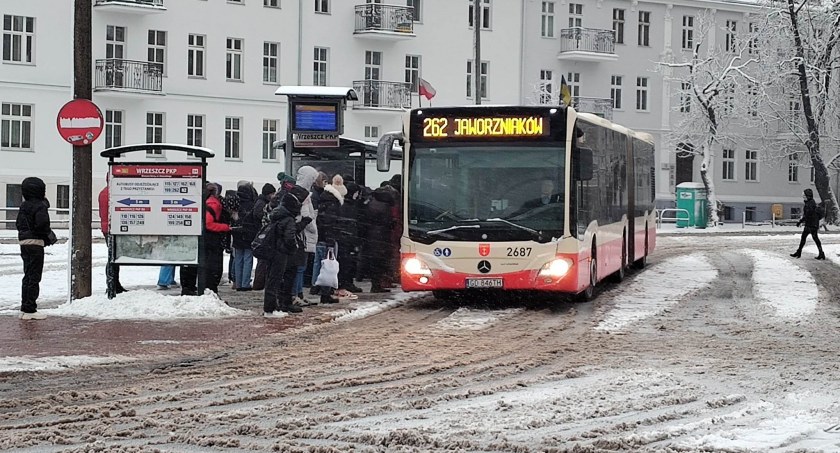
<point x="156" y="210"/>
<point x="315" y="119"/>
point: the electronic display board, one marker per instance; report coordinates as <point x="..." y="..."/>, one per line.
<point x="316" y="117"/>
<point x="445" y="125"/>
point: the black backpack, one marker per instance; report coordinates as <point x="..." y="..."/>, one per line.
<point x="264" y="245"/>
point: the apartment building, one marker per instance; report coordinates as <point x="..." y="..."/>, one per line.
<point x="204" y="72"/>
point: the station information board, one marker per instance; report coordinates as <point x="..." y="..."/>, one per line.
<point x="155" y="199"/>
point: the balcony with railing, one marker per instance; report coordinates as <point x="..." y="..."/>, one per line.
<point x="130" y="6"/>
<point x="602" y="107"/>
<point x="386" y="22"/>
<point x="587" y="44"/>
<point x="379" y="94"/>
<point x="115" y="74"/>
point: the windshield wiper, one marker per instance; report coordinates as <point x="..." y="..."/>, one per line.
<point x="537" y="234"/>
<point x="454" y="227"/>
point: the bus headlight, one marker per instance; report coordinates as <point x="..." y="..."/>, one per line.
<point x="414" y="266"/>
<point x="556" y="268"/>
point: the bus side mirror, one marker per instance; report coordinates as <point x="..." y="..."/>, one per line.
<point x="383" y="150"/>
<point x="583" y="164"/>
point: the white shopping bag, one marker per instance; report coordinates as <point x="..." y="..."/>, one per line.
<point x="329" y="271"/>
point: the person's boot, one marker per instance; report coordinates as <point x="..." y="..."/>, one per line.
<point x="821" y="256"/>
<point x="796" y="254"/>
<point x="286" y="304"/>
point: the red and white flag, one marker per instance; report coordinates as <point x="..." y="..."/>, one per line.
<point x="426" y="90"/>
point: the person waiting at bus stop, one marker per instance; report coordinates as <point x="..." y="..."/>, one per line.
<point x="214" y="235"/>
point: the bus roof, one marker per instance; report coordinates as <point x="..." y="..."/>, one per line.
<point x="603" y="122"/>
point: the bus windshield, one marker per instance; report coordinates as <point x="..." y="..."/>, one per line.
<point x="486" y="193"/>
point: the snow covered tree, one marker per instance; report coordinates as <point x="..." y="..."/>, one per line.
<point x="799" y="62"/>
<point x="712" y="83"/>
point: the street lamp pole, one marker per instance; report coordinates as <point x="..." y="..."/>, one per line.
<point x="80" y="239"/>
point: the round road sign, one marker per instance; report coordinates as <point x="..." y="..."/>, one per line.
<point x="79" y="122"/>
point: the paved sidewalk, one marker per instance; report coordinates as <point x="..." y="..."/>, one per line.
<point x="57" y="336"/>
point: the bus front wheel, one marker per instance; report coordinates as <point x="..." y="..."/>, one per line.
<point x="589" y="293"/>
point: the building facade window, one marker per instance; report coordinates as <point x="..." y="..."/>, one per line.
<point x="685" y="97"/>
<point x="575" y="15"/>
<point x="271" y="3"/>
<point x="616" y="91"/>
<point x="752" y="100"/>
<point x="485" y="14"/>
<point x="195" y="130"/>
<point x="322" y="6"/>
<point x="618" y="25"/>
<point x="16" y="127"/>
<point x="233" y="69"/>
<point x="62" y="198"/>
<point x="371" y="131"/>
<point x="573" y="80"/>
<point x="269" y="136"/>
<point x="752" y="45"/>
<point x="412" y="72"/>
<point x="271" y="61"/>
<point x="115" y="42"/>
<point x="688" y="32"/>
<point x="483" y="78"/>
<point x="644" y="28"/>
<point x="642" y="94"/>
<point x="547" y="20"/>
<point x="18" y="39"/>
<point x="546" y="86"/>
<point x="731" y="30"/>
<point x="728" y="170"/>
<point x="751" y="165"/>
<point x="320" y="66"/>
<point x="793" y="168"/>
<point x="195" y="55"/>
<point x="113" y="128"/>
<point x="155" y="132"/>
<point x="232" y="134"/>
<point x="156" y="52"/>
<point x="416" y="9"/>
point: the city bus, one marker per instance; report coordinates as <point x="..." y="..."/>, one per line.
<point x="537" y="198"/>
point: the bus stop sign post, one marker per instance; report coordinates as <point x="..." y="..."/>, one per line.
<point x="156" y="212"/>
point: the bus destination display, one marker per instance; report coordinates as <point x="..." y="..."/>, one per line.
<point x="316" y="117"/>
<point x="485" y="127"/>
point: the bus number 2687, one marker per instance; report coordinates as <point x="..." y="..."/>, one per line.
<point x="519" y="251"/>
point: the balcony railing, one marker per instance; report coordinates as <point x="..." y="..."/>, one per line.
<point x="129" y="75"/>
<point x="138" y="6"/>
<point x="374" y="17"/>
<point x="587" y="40"/>
<point x="382" y="94"/>
<point x="602" y="107"/>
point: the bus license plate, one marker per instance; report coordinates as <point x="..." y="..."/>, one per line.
<point x="485" y="283"/>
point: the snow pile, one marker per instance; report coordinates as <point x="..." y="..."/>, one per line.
<point x="793" y="296"/>
<point x="57" y="363"/>
<point x="658" y="288"/>
<point x="144" y="304"/>
<point x="465" y="318"/>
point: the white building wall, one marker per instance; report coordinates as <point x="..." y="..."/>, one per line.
<point x="444" y="41"/>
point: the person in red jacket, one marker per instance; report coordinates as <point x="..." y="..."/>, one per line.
<point x="112" y="270"/>
<point x="214" y="249"/>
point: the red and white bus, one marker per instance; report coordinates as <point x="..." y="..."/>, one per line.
<point x="538" y="198"/>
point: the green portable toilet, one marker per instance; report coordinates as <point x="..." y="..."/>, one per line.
<point x="691" y="196"/>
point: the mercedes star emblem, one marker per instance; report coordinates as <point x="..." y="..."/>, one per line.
<point x="484" y="266"/>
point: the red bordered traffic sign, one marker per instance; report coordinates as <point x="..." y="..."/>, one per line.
<point x="79" y="122"/>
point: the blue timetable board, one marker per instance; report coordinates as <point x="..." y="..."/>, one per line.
<point x="316" y="117"/>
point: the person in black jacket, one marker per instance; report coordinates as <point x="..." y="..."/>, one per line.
<point x="278" y="292"/>
<point x="812" y="225"/>
<point x="348" y="237"/>
<point x="376" y="223"/>
<point x="249" y="221"/>
<point x="260" y="213"/>
<point x="329" y="214"/>
<point x="33" y="226"/>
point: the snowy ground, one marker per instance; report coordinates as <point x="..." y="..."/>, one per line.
<point x="723" y="344"/>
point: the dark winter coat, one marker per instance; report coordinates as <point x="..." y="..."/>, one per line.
<point x="329" y="213"/>
<point x="348" y="224"/>
<point x="376" y="218"/>
<point x="33" y="219"/>
<point x="261" y="209"/>
<point x="809" y="214"/>
<point x="249" y="220"/>
<point x="284" y="222"/>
